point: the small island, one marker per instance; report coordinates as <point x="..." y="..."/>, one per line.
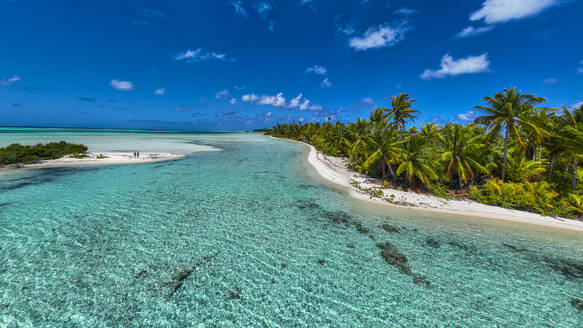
<point x="16" y="154"/>
<point x="62" y="153"/>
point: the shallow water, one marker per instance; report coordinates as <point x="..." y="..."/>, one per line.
<point x="249" y="236"/>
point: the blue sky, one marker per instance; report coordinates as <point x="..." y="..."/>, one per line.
<point x="243" y="64"/>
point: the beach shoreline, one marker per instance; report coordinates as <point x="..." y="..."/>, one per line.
<point x="95" y="158"/>
<point x="333" y="169"/>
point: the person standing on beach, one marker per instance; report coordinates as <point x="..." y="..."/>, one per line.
<point x="134" y="154"/>
<point x="138" y="154"/>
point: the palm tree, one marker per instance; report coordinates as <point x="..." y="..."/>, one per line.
<point x="572" y="132"/>
<point x="401" y="110"/>
<point x="543" y="119"/>
<point x="508" y="110"/>
<point x="431" y="131"/>
<point x="415" y="161"/>
<point x="520" y="169"/>
<point x="378" y="119"/>
<point x="464" y="148"/>
<point x="576" y="204"/>
<point x="383" y="147"/>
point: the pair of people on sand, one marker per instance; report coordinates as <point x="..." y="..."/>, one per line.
<point x="137" y="154"/>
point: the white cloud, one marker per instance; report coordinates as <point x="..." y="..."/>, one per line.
<point x="471" y="31"/>
<point x="222" y="93"/>
<point x="9" y="80"/>
<point x="576" y="104"/>
<point x="193" y="56"/>
<point x="294" y="103"/>
<point x="305" y="2"/>
<point x="121" y="85"/>
<point x="346" y="29"/>
<point x="366" y="100"/>
<point x="263" y="8"/>
<point x="160" y="92"/>
<point x="276" y="101"/>
<point x="326" y="83"/>
<point x="317" y="69"/>
<point x="249" y="97"/>
<point x="550" y="80"/>
<point x="233" y="101"/>
<point x="467" y="116"/>
<point x="306" y="106"/>
<point x="379" y="37"/>
<point x="579" y="70"/>
<point x="280" y="101"/>
<point x="404" y="11"/>
<point x="268" y="114"/>
<point x="452" y="67"/>
<point x="239" y="10"/>
<point x="498" y="11"/>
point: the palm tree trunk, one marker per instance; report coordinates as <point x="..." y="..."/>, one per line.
<point x="533" y="152"/>
<point x="392" y="172"/>
<point x="540" y="150"/>
<point x="384" y="167"/>
<point x="574" y="181"/>
<point x="551" y="166"/>
<point x="505" y="152"/>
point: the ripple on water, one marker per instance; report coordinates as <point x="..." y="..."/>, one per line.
<point x="245" y="237"/>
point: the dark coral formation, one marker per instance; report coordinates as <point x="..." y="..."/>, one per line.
<point x="468" y="248"/>
<point x="516" y="248"/>
<point x="177" y="281"/>
<point x="360" y="228"/>
<point x="568" y="268"/>
<point x="433" y="243"/>
<point x="233" y="293"/>
<point x="307" y="204"/>
<point x="390" y="228"/>
<point x="338" y="217"/>
<point x="394" y="258"/>
<point x="399" y="260"/>
<point x="577" y="303"/>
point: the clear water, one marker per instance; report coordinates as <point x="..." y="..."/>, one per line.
<point x="250" y="236"/>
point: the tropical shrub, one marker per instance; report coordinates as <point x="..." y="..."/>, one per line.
<point x="17" y="154"/>
<point x="536" y="197"/>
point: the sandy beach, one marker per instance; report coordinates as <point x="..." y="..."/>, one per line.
<point x="98" y="158"/>
<point x="334" y="170"/>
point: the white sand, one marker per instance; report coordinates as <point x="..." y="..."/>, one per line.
<point x="334" y="169"/>
<point x="110" y="158"/>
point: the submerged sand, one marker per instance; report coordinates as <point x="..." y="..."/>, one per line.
<point x="334" y="170"/>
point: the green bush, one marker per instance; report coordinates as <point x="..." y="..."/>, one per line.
<point x="438" y="189"/>
<point x="538" y="197"/>
<point x="16" y="153"/>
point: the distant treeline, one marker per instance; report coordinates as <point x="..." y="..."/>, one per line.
<point x="517" y="154"/>
<point x="19" y="154"/>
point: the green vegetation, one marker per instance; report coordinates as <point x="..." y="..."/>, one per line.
<point x="19" y="154"/>
<point x="518" y="154"/>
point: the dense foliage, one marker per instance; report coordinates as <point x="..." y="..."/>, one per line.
<point x="16" y="153"/>
<point x="517" y="154"/>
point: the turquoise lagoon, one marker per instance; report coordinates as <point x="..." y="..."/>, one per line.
<point x="250" y="236"/>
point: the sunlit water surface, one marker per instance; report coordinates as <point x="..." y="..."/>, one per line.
<point x="250" y="236"/>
